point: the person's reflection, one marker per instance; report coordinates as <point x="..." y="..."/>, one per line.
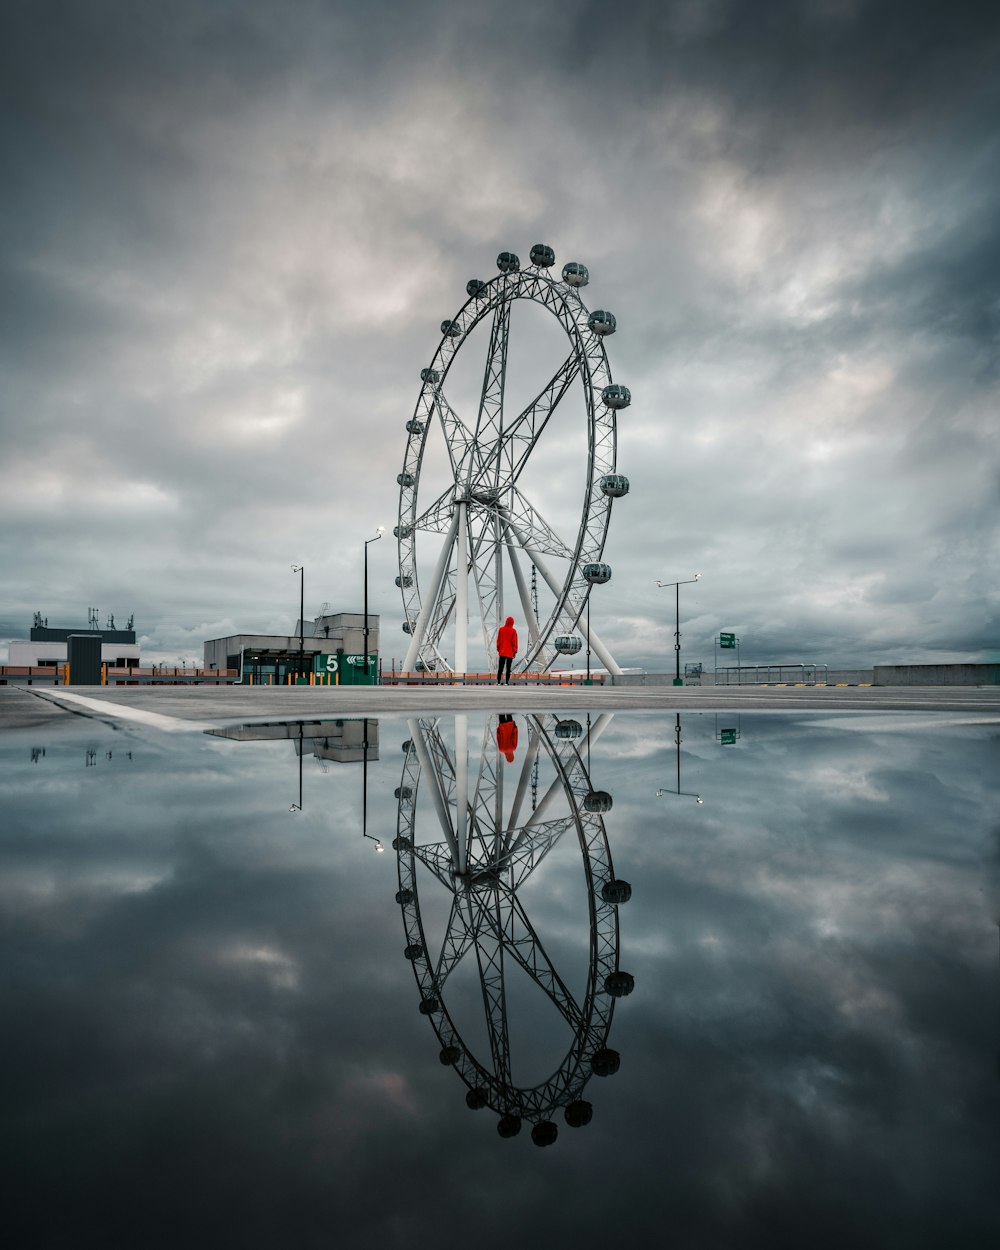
<point x="507" y="736"/>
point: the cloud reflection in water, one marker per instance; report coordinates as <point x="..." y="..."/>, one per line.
<point x="210" y="1034"/>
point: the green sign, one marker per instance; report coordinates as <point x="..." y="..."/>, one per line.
<point x="727" y="640"/>
<point x="346" y="670"/>
<point x="727" y="737"/>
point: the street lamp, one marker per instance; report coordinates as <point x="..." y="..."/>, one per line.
<point x="301" y="570"/>
<point x="378" y="534"/>
<point x="677" y="621"/>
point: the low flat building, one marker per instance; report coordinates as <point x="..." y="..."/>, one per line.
<point x="332" y="647"/>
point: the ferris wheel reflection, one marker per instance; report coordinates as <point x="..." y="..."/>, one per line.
<point x="472" y="917"/>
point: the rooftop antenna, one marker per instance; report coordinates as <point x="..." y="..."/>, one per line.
<point x="111" y="621"/>
<point x="131" y="621"/>
<point x="92" y="621"/>
<point x="38" y="620"/>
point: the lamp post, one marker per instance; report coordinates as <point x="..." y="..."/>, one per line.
<point x="677" y="621"/>
<point x="378" y="534"/>
<point x="301" y="570"/>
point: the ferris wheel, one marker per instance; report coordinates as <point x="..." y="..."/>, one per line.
<point x="490" y="526"/>
<point x="472" y="925"/>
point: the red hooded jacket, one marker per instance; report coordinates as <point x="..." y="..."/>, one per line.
<point x="507" y="738"/>
<point x="507" y="639"/>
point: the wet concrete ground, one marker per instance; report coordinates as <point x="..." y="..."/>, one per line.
<point x="205" y="960"/>
<point x="199" y="707"/>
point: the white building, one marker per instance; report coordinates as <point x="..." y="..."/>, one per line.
<point x="47" y="647"/>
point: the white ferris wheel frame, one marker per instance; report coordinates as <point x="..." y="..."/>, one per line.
<point x="483" y="513"/>
<point x="483" y="853"/>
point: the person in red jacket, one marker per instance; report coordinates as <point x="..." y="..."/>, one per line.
<point x="506" y="648"/>
<point x="507" y="736"/>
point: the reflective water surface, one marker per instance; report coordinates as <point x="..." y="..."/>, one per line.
<point x="725" y="982"/>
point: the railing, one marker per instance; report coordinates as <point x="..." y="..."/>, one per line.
<point x="167" y="673"/>
<point x="50" y="674"/>
<point x="490" y="679"/>
<point x="58" y="675"/>
<point x="797" y="674"/>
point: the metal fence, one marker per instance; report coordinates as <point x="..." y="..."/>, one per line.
<point x="799" y="674"/>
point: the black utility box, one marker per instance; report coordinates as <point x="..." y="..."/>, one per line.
<point x="83" y="651"/>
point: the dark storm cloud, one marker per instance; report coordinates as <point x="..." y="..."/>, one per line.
<point x="948" y="287"/>
<point x="230" y="234"/>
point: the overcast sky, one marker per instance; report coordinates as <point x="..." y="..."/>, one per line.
<point x="230" y="233"/>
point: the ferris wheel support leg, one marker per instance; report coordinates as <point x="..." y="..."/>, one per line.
<point x="427" y="609"/>
<point x="462" y="590"/>
<point x="603" y="654"/>
<point x="598" y="727"/>
<point x="462" y="790"/>
<point x="522" y="784"/>
<point x="498" y="566"/>
<point x="522" y="588"/>
<point x="433" y="776"/>
<point x="556" y="788"/>
<point x="544" y="803"/>
<point x="497" y="797"/>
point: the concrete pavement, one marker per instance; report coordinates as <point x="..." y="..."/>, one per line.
<point x="200" y="707"/>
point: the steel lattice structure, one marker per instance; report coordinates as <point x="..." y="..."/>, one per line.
<point x="490" y="848"/>
<point x="487" y="521"/>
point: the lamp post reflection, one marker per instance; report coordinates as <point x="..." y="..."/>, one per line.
<point x="345" y="740"/>
<point x="364" y="790"/>
<point x="297" y="807"/>
<point x="685" y="793"/>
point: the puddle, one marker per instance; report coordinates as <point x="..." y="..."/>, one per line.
<point x="302" y="981"/>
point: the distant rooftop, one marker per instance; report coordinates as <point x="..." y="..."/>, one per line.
<point x="40" y="631"/>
